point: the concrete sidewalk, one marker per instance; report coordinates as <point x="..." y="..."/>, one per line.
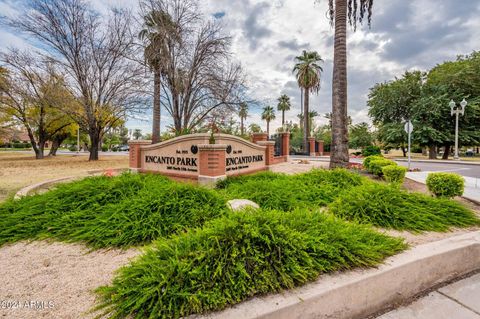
<point x="472" y="184"/>
<point x="460" y="300"/>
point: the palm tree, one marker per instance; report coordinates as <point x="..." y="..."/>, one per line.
<point x="308" y="73"/>
<point x="243" y="115"/>
<point x="339" y="10"/>
<point x="268" y="115"/>
<point x="300" y="120"/>
<point x="158" y="31"/>
<point x="283" y="106"/>
<point x="311" y="116"/>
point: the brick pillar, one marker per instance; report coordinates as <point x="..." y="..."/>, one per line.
<point x="311" y="141"/>
<point x="269" y="152"/>
<point x="320" y="147"/>
<point x="258" y="137"/>
<point x="285" y="144"/>
<point x="212" y="163"/>
<point x="134" y="154"/>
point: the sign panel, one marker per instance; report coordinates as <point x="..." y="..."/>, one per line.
<point x="180" y="156"/>
<point x="242" y="156"/>
<point x="408" y="127"/>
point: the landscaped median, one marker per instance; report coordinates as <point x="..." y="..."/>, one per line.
<point x="201" y="257"/>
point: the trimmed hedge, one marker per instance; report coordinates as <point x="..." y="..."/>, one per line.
<point x="390" y="207"/>
<point x="130" y="209"/>
<point x="394" y="174"/>
<point x="371" y="150"/>
<point x="445" y="184"/>
<point x="376" y="166"/>
<point x="367" y="160"/>
<point x="236" y="257"/>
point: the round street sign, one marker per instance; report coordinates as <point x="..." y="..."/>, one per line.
<point x="409" y="127"/>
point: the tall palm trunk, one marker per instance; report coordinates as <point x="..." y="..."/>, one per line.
<point x="283" y="118"/>
<point x="306" y="131"/>
<point x="339" y="148"/>
<point x="241" y="125"/>
<point x="156" y="107"/>
<point x="268" y="130"/>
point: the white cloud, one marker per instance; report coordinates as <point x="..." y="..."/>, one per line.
<point x="267" y="35"/>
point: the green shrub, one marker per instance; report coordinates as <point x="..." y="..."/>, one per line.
<point x="130" y="209"/>
<point x="21" y="145"/>
<point x="445" y="184"/>
<point x="288" y="192"/>
<point x="368" y="159"/>
<point x="388" y="206"/>
<point x="239" y="256"/>
<point x="371" y="150"/>
<point x="376" y="166"/>
<point x="394" y="174"/>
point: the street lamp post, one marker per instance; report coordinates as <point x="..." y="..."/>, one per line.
<point x="78" y="139"/>
<point x="457" y="111"/>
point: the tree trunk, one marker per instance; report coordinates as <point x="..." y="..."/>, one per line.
<point x="404" y="151"/>
<point x="40" y="152"/>
<point x="54" y="148"/>
<point x="283" y="118"/>
<point x="446" y="152"/>
<point x="306" y="131"/>
<point x="37" y="148"/>
<point x="432" y="151"/>
<point x="57" y="141"/>
<point x="339" y="148"/>
<point x="156" y="107"/>
<point x="241" y="125"/>
<point x="94" y="144"/>
<point x="268" y="130"/>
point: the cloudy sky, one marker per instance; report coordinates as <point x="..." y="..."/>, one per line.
<point x="267" y="35"/>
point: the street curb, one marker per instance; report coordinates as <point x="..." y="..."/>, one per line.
<point x="361" y="293"/>
<point x="437" y="161"/>
<point x="31" y="188"/>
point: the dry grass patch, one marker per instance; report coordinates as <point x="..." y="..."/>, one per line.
<point x="18" y="170"/>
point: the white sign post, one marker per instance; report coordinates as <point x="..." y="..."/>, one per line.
<point x="409" y="130"/>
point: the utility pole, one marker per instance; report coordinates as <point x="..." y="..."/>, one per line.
<point x="78" y="140"/>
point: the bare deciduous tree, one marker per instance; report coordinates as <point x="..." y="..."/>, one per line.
<point x="94" y="51"/>
<point x="199" y="76"/>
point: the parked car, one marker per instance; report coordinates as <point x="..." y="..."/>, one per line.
<point x="123" y="148"/>
<point x="469" y="152"/>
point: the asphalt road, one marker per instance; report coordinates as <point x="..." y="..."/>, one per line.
<point x="462" y="169"/>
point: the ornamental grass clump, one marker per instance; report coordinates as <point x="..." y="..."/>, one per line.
<point x="446" y="185"/>
<point x="288" y="192"/>
<point x="130" y="209"/>
<point x="236" y="257"/>
<point x="388" y="206"/>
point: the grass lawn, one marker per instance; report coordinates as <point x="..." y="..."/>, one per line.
<point x="18" y="170"/>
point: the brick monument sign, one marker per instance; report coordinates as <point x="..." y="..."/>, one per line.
<point x="193" y="157"/>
